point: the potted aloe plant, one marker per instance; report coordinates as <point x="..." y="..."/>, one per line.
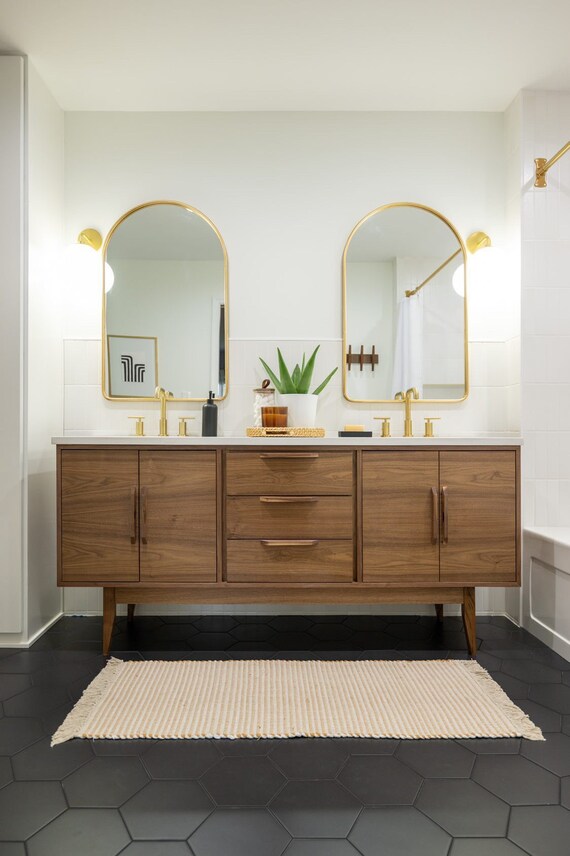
<point x="293" y="388"/>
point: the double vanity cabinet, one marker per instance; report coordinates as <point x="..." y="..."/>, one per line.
<point x="202" y="520"/>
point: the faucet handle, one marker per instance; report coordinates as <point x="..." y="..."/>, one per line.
<point x="139" y="425"/>
<point x="182" y="428"/>
<point x="429" y="420"/>
<point x="385" y="427"/>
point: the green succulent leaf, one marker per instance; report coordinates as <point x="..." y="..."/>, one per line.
<point x="286" y="380"/>
<point x="307" y="373"/>
<point x="320" y="388"/>
<point x="296" y="376"/>
<point x="274" y="379"/>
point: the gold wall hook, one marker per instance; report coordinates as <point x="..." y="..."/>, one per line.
<point x="542" y="165"/>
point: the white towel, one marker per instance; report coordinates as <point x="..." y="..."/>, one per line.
<point x="408" y="351"/>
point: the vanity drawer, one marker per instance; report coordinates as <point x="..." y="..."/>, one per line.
<point x="294" y="516"/>
<point x="289" y="472"/>
<point x="288" y="560"/>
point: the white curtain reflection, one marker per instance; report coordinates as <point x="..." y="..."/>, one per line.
<point x="408" y="350"/>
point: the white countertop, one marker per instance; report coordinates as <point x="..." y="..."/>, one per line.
<point x="332" y="440"/>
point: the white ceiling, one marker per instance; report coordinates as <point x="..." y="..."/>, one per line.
<point x="290" y="54"/>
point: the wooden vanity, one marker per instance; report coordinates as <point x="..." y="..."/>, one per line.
<point x="265" y="521"/>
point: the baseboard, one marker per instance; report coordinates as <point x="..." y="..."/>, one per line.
<point x="30" y="641"/>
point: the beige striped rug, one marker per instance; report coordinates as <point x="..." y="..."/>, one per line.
<point x="294" y="698"/>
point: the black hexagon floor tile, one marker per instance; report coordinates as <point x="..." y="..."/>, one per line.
<point x="531" y="671"/>
<point x="546" y="719"/>
<point x="492" y="746"/>
<point x="310" y="758"/>
<point x="42" y="762"/>
<point x="105" y="782"/>
<point x="553" y="754"/>
<point x="380" y="780"/>
<point x="246" y="746"/>
<point x="565" y="792"/>
<point x="239" y="833"/>
<point x="121" y="747"/>
<point x="245" y="781"/>
<point x="316" y="809"/>
<point x="85" y="831"/>
<point x="320" y="847"/>
<point x="485" y="847"/>
<point x="25" y="662"/>
<point x="215" y="623"/>
<point x="514" y="688"/>
<point x="180" y="759"/>
<point x="6" y="775"/>
<point x="554" y="696"/>
<point x="436" y="759"/>
<point x="252" y="632"/>
<point x="398" y="830"/>
<point x="12" y="848"/>
<point x="463" y="808"/>
<point x="35" y="701"/>
<point x="516" y="780"/>
<point x="16" y="733"/>
<point x="157" y="848"/>
<point x="211" y="641"/>
<point x="166" y="810"/>
<point x="27" y="806"/>
<point x="12" y="684"/>
<point x="541" y="830"/>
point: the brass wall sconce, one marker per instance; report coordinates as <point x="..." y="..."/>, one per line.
<point x="542" y="166"/>
<point x="91" y="237"/>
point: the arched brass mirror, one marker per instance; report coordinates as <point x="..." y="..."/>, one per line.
<point x="165" y="318"/>
<point x="404" y="306"/>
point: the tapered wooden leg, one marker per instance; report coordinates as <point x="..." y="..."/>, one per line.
<point x="439" y="612"/>
<point x="130" y="613"/>
<point x="109" y="611"/>
<point x="469" y="621"/>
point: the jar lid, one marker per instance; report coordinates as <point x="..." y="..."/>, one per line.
<point x="265" y="388"/>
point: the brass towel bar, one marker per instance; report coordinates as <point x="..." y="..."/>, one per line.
<point x="542" y="165"/>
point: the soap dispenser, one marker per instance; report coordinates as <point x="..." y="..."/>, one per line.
<point x="210" y="417"/>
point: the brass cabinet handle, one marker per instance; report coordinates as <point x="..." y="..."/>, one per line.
<point x="444" y="514"/>
<point x="144" y="539"/>
<point x="288" y="499"/>
<point x="435" y="517"/>
<point x="287" y="455"/>
<point x="298" y="543"/>
<point x="134" y="515"/>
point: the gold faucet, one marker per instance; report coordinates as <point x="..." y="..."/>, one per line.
<point x="163" y="395"/>
<point x="407" y="398"/>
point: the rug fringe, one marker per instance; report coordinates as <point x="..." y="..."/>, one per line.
<point x="521" y="723"/>
<point x="73" y="724"/>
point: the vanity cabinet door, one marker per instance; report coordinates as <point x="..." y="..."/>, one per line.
<point x="400" y="508"/>
<point x="178" y="516"/>
<point x="479" y="523"/>
<point x="98" y="516"/>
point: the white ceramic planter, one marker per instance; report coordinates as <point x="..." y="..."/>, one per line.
<point x="302" y="412"/>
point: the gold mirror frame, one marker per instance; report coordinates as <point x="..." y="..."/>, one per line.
<point x="360" y="223"/>
<point x="104" y="362"/>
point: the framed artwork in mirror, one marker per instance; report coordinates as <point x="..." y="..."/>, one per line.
<point x="133" y="365"/>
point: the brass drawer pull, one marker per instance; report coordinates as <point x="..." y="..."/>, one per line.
<point x="134" y="515"/>
<point x="144" y="538"/>
<point x="435" y="517"/>
<point x="445" y="514"/>
<point x="301" y="543"/>
<point x="278" y="500"/>
<point x="287" y="455"/>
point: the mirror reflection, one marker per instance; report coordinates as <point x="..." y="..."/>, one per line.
<point x="165" y="317"/>
<point x="404" y="311"/>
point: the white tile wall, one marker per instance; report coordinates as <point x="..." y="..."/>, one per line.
<point x="545" y="232"/>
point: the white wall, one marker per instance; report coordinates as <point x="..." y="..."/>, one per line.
<point x="12" y="241"/>
<point x="44" y="332"/>
<point x="285" y="190"/>
<point x="546" y="312"/>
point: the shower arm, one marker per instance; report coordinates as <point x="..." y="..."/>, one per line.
<point x="432" y="275"/>
<point x="542" y="165"/>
